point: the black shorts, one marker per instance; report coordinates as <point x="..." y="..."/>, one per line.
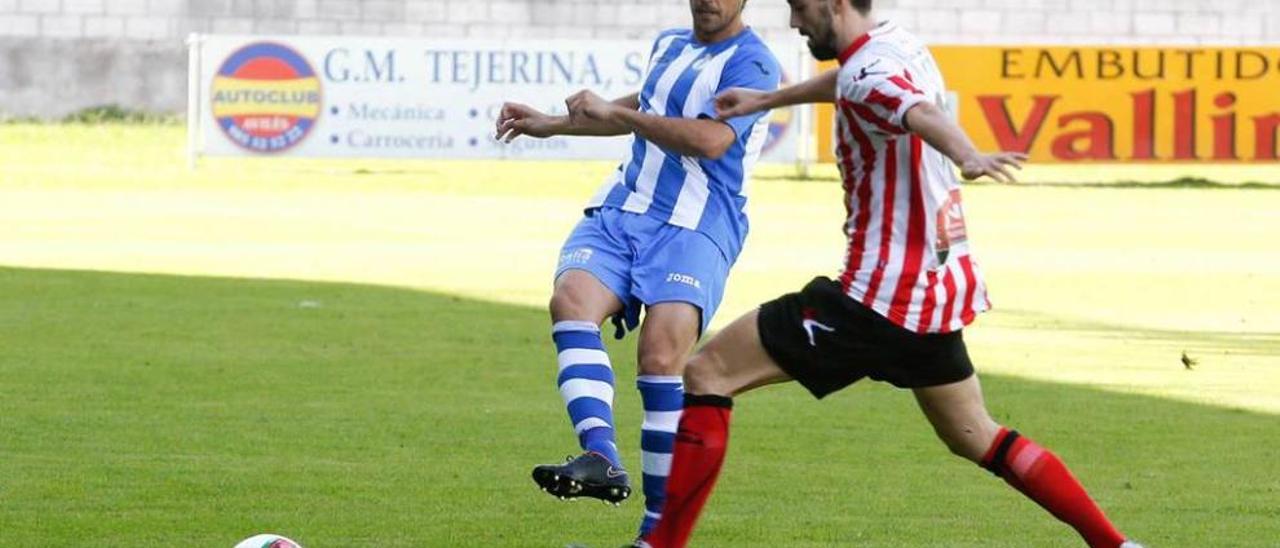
<point x="826" y="340"/>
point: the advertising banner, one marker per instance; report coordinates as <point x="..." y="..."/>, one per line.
<point x="1094" y="104"/>
<point x="316" y="96"/>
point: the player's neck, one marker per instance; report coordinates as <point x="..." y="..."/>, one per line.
<point x="853" y="28"/>
<point x="729" y="31"/>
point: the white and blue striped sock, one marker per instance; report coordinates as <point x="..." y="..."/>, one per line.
<point x="586" y="385"/>
<point x="663" y="401"/>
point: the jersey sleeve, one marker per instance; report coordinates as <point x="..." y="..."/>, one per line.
<point x="882" y="92"/>
<point x="751" y="68"/>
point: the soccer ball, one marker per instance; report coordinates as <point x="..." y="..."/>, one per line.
<point x="267" y="540"/>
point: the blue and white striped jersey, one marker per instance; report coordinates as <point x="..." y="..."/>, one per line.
<point x="708" y="196"/>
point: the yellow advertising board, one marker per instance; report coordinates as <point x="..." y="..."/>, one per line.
<point x="1095" y="104"/>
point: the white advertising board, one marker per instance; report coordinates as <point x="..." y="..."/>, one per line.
<point x="317" y="96"/>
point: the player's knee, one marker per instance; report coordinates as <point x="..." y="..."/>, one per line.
<point x="965" y="441"/>
<point x="661" y="361"/>
<point x="704" y="375"/>
<point x="566" y="304"/>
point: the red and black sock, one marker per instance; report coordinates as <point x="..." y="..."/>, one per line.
<point x="700" y="447"/>
<point x="1042" y="477"/>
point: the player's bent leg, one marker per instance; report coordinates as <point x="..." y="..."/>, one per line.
<point x="669" y="332"/>
<point x="733" y="362"/>
<point x="581" y="296"/>
<point x="960" y="418"/>
<point x="586" y="383"/>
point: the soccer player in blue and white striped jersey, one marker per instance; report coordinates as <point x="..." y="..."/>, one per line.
<point x="661" y="234"/>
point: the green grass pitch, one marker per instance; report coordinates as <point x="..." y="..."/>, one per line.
<point x="354" y="353"/>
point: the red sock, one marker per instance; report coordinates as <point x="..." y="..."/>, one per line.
<point x="700" y="446"/>
<point x="1042" y="477"/>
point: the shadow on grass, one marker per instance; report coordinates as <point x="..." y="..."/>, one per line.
<point x="141" y="408"/>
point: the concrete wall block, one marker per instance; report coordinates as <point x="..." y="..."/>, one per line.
<point x="514" y="13"/>
<point x="448" y="30"/>
<point x="383" y="11"/>
<point x="905" y="18"/>
<point x="1154" y="24"/>
<point x="361" y="28"/>
<point x="86" y="7"/>
<point x="147" y="27"/>
<point x="1018" y="5"/>
<point x="103" y="26"/>
<point x="1111" y="24"/>
<point x="166" y="7"/>
<point x="233" y="25"/>
<point x="127" y="7"/>
<point x="61" y="26"/>
<point x="980" y="22"/>
<point x="306" y="8"/>
<point x="672" y="15"/>
<point x="322" y="27"/>
<point x="210" y="8"/>
<point x="407" y="30"/>
<point x="1028" y="22"/>
<point x="341" y="10"/>
<point x="19" y="25"/>
<point x="468" y="11"/>
<point x="275" y="26"/>
<point x="427" y="11"/>
<point x="1273" y="27"/>
<point x="276" y="9"/>
<point x="549" y="14"/>
<point x="39" y="6"/>
<point x="1203" y="24"/>
<point x="938" y="21"/>
<point x="1242" y="26"/>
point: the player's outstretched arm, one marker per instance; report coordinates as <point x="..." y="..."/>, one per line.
<point x="936" y="128"/>
<point x="702" y="138"/>
<point x="742" y="101"/>
<point x="517" y="119"/>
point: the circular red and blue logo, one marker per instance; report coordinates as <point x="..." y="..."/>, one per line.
<point x="266" y="97"/>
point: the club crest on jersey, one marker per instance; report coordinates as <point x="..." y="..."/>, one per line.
<point x="266" y="97"/>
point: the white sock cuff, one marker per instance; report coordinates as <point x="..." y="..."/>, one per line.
<point x="661" y="379"/>
<point x="561" y="327"/>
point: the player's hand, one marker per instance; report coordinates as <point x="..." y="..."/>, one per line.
<point x="996" y="166"/>
<point x="588" y="105"/>
<point x="516" y="119"/>
<point x="740" y="102"/>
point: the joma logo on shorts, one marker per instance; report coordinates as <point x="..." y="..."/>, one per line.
<point x="683" y="279"/>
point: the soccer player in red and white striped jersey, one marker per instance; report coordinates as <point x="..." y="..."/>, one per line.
<point x="907" y="289"/>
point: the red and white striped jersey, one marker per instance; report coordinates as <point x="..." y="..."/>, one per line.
<point x="908" y="252"/>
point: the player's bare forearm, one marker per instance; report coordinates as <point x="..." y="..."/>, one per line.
<point x="819" y="89"/>
<point x="936" y="128"/>
<point x="582" y="125"/>
<point x="702" y="138"/>
<point x="945" y="136"/>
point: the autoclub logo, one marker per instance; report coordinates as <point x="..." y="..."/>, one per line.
<point x="266" y="97"/>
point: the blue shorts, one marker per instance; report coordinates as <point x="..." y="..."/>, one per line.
<point x="645" y="261"/>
